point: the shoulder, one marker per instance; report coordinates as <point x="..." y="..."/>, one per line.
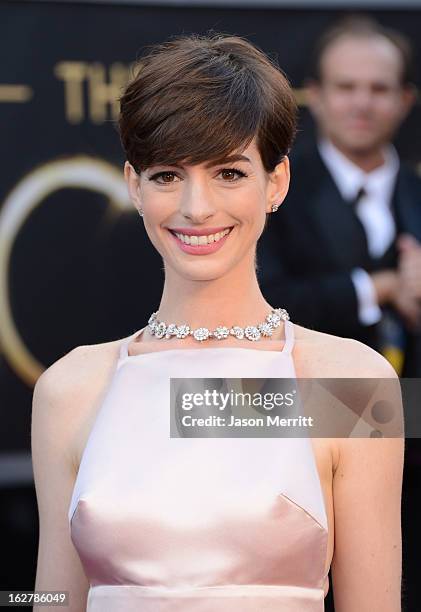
<point x="73" y="372"/>
<point x="67" y="393"/>
<point x="325" y="355"/>
<point x="322" y="355"/>
<point x="408" y="172"/>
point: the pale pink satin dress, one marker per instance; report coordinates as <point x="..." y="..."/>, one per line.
<point x="196" y="524"/>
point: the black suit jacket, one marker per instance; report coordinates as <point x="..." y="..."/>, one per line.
<point x="313" y="241"/>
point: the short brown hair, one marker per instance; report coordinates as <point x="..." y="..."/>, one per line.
<point x="363" y="26"/>
<point x="199" y="97"/>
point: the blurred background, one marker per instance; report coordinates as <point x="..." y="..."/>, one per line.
<point x="74" y="257"/>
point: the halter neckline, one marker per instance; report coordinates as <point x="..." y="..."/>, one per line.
<point x="286" y="349"/>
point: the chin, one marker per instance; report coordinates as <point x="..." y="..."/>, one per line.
<point x="359" y="146"/>
<point x="201" y="272"/>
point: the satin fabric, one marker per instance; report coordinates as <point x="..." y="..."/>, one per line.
<point x="206" y="524"/>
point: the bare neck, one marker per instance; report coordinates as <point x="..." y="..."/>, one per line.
<point x="367" y="160"/>
<point x="234" y="298"/>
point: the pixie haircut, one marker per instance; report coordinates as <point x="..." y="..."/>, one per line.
<point x="198" y="98"/>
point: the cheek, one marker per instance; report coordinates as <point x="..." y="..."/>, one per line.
<point x="158" y="206"/>
<point x="388" y="110"/>
<point x="253" y="217"/>
<point x="151" y="230"/>
<point x="341" y="105"/>
<point x="158" y="213"/>
<point x="251" y="207"/>
<point x="335" y="107"/>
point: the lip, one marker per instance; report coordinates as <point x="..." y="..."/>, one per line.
<point x="191" y="231"/>
<point x="200" y="249"/>
<point x="354" y="122"/>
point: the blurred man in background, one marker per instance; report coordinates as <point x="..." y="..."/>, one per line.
<point x="343" y="253"/>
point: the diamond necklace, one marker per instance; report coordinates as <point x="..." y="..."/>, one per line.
<point x="159" y="329"/>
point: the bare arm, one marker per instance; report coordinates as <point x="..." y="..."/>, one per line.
<point x="367" y="561"/>
<point x="53" y="426"/>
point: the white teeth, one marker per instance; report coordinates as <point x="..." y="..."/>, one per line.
<point x="199" y="240"/>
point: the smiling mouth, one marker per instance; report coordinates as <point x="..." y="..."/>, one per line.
<point x="202" y="240"/>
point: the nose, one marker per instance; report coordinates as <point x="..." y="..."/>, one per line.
<point x="197" y="201"/>
<point x="363" y="98"/>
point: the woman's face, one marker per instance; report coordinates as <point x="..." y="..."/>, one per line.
<point x="204" y="219"/>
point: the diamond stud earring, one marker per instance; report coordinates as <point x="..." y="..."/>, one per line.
<point x="275" y="206"/>
<point x="140" y="211"/>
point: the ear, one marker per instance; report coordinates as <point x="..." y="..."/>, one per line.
<point x="278" y="183"/>
<point x="312" y="96"/>
<point x="409" y="97"/>
<point x="133" y="184"/>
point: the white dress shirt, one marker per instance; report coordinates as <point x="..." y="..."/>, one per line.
<point x="373" y="209"/>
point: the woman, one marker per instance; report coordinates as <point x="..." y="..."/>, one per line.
<point x="132" y="519"/>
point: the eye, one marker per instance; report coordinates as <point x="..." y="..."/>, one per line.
<point x="232" y="172"/>
<point x="344" y="86"/>
<point x="380" y="88"/>
<point x="167" y="177"/>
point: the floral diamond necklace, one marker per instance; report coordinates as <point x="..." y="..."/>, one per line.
<point x="159" y="329"/>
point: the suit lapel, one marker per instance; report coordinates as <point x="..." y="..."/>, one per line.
<point x="406" y="205"/>
<point x="338" y="225"/>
